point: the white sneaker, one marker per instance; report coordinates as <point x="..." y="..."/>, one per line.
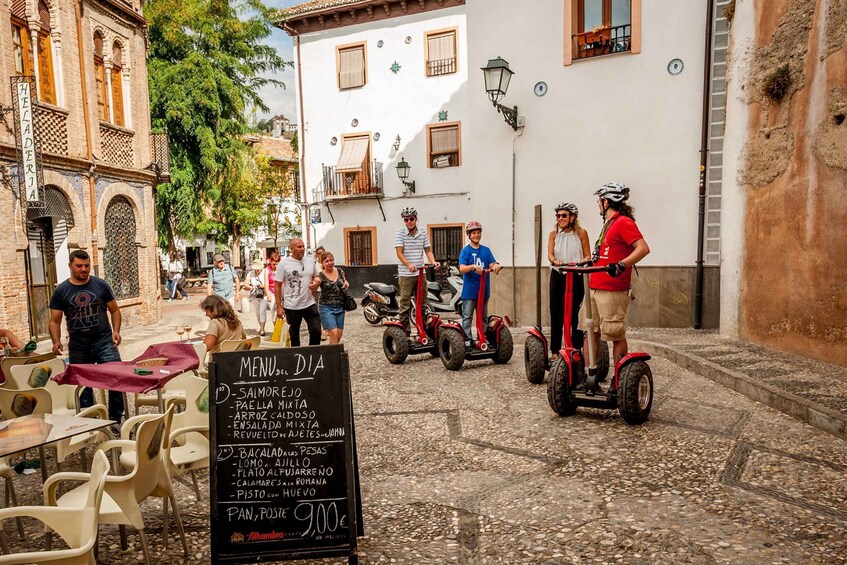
<point x="170" y="300"/>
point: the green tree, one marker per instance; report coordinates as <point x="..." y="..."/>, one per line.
<point x="205" y="66"/>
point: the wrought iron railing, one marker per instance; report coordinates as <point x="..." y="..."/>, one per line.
<point x="603" y="41"/>
<point x="116" y="145"/>
<point x="440" y="67"/>
<point x="365" y="181"/>
<point x="53" y="126"/>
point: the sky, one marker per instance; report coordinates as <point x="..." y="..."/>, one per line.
<point x="281" y="100"/>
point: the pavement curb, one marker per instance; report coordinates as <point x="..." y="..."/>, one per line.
<point x="805" y="410"/>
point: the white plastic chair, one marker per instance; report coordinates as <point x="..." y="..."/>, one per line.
<point x="11" y="495"/>
<point x="174" y="389"/>
<point x="76" y="525"/>
<point x="50" y="399"/>
<point x="124" y="494"/>
<point x="8" y="362"/>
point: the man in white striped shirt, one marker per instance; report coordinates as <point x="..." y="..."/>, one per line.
<point x="413" y="250"/>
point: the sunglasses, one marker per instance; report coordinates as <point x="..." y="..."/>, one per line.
<point x="565" y="215"/>
<point x="412" y="219"/>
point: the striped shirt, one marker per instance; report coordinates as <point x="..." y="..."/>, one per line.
<point x="413" y="249"/>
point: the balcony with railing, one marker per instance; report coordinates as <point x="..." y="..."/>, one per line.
<point x="116" y="145"/>
<point x="365" y="182"/>
<point x="53" y="128"/>
<point x="440" y="67"/>
<point x="160" y="150"/>
<point x="603" y="41"/>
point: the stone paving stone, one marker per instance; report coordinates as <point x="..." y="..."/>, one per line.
<point x="473" y="467"/>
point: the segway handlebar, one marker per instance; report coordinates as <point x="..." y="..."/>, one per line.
<point x="584" y="267"/>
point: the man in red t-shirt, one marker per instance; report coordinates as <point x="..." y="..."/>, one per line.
<point x="619" y="247"/>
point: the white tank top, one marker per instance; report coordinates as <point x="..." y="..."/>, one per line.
<point x="567" y="247"/>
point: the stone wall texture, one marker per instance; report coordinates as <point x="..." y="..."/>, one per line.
<point x="794" y="172"/>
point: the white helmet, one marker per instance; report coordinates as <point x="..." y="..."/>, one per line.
<point x="614" y="191"/>
<point x="408" y="213"/>
<point x="569" y="207"/>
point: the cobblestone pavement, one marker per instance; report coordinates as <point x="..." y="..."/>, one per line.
<point x="473" y="467"/>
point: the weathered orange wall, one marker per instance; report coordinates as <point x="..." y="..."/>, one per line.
<point x="794" y="290"/>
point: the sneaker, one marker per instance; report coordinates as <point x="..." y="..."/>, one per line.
<point x="170" y="300"/>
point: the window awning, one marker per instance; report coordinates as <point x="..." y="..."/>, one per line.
<point x="445" y="140"/>
<point x="353" y="154"/>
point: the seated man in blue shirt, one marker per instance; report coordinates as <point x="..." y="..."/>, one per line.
<point x="473" y="260"/>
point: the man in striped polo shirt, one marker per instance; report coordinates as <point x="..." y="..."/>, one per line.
<point x="413" y="251"/>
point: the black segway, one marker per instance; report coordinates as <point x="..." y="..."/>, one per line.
<point x="536" y="349"/>
<point x="570" y="386"/>
<point x="494" y="341"/>
<point x="398" y="344"/>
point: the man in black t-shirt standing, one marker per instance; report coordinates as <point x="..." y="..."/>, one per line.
<point x="88" y="302"/>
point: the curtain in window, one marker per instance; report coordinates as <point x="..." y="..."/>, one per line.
<point x="444" y="140"/>
<point x="351" y="72"/>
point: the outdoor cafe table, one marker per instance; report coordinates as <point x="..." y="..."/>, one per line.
<point x="37" y="430"/>
<point x="121" y="375"/>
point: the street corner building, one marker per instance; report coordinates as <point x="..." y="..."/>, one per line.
<point x="77" y="94"/>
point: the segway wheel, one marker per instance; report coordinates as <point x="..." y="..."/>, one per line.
<point x="371" y="314"/>
<point x="505" y="346"/>
<point x="602" y="360"/>
<point x="559" y="395"/>
<point x="533" y="360"/>
<point x="395" y="345"/>
<point x="635" y="396"/>
<point x="451" y="348"/>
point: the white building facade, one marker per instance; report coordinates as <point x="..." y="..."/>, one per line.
<point x="608" y="90"/>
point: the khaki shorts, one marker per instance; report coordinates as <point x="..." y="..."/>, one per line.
<point x="608" y="308"/>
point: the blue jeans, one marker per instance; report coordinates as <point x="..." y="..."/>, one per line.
<point x="468" y="322"/>
<point x="172" y="288"/>
<point x="101" y="351"/>
<point x="332" y="316"/>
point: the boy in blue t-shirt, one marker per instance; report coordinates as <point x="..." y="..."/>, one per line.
<point x="473" y="259"/>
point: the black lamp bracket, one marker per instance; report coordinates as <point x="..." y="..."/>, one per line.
<point x="510" y="115"/>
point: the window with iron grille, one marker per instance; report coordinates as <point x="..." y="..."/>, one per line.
<point x="447" y="243"/>
<point x="602" y="27"/>
<point x="352" y="66"/>
<point x="360" y="244"/>
<point x="444" y="144"/>
<point x="120" y="256"/>
<point x="441" y="53"/>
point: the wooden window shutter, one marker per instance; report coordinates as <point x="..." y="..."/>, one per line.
<point x="441" y="50"/>
<point x="117" y="96"/>
<point x="445" y="140"/>
<point x="18" y="9"/>
<point x="45" y="69"/>
<point x="102" y="94"/>
<point x="20" y="41"/>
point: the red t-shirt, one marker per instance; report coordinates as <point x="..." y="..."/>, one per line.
<point x="617" y="244"/>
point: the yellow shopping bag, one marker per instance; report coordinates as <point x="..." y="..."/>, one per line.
<point x="281" y="332"/>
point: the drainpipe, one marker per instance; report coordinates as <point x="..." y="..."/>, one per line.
<point x="704" y="158"/>
<point x="301" y="141"/>
<point x="514" y="256"/>
<point x="88" y="143"/>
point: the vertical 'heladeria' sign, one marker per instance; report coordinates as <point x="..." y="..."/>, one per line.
<point x="283" y="476"/>
<point x="29" y="155"/>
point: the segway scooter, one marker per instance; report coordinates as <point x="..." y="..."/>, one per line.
<point x="494" y="341"/>
<point x="630" y="391"/>
<point x="536" y="349"/>
<point x="398" y="343"/>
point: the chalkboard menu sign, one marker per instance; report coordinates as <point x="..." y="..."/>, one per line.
<point x="283" y="463"/>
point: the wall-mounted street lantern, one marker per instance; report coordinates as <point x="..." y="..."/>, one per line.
<point x="403" y="169"/>
<point x="497" y="77"/>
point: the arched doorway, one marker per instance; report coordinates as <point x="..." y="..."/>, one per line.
<point x="120" y="256"/>
<point x="47" y="229"/>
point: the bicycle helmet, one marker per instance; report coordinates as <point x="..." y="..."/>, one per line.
<point x="408" y="213"/>
<point x="614" y="191"/>
<point x="569" y="207"/>
<point x="473" y="225"/>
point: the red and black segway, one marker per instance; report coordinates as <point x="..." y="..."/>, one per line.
<point x="398" y="343"/>
<point x="494" y="341"/>
<point x="570" y="386"/>
<point x="537" y="350"/>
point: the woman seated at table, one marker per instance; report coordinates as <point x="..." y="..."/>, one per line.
<point x="224" y="322"/>
<point x="14" y="342"/>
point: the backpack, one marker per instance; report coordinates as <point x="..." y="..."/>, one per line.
<point x="212" y="273"/>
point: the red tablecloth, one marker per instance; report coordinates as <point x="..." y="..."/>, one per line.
<point x="120" y="375"/>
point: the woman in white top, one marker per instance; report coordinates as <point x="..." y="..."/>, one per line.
<point x="256" y="279"/>
<point x="568" y="243"/>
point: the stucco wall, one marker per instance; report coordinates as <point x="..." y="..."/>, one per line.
<point x="790" y="171"/>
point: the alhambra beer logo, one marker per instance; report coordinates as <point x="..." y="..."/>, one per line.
<point x="238" y="537"/>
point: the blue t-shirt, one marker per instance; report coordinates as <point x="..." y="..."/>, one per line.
<point x="480" y="256"/>
<point x="85" y="309"/>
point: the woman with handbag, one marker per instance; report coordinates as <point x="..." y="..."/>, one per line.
<point x="333" y="288"/>
<point x="257" y="281"/>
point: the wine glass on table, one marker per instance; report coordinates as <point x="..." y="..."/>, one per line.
<point x="179" y="331"/>
<point x="187" y="328"/>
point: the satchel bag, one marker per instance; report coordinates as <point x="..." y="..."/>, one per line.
<point x="349" y="301"/>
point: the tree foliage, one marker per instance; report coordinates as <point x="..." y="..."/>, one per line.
<point x="206" y="62"/>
